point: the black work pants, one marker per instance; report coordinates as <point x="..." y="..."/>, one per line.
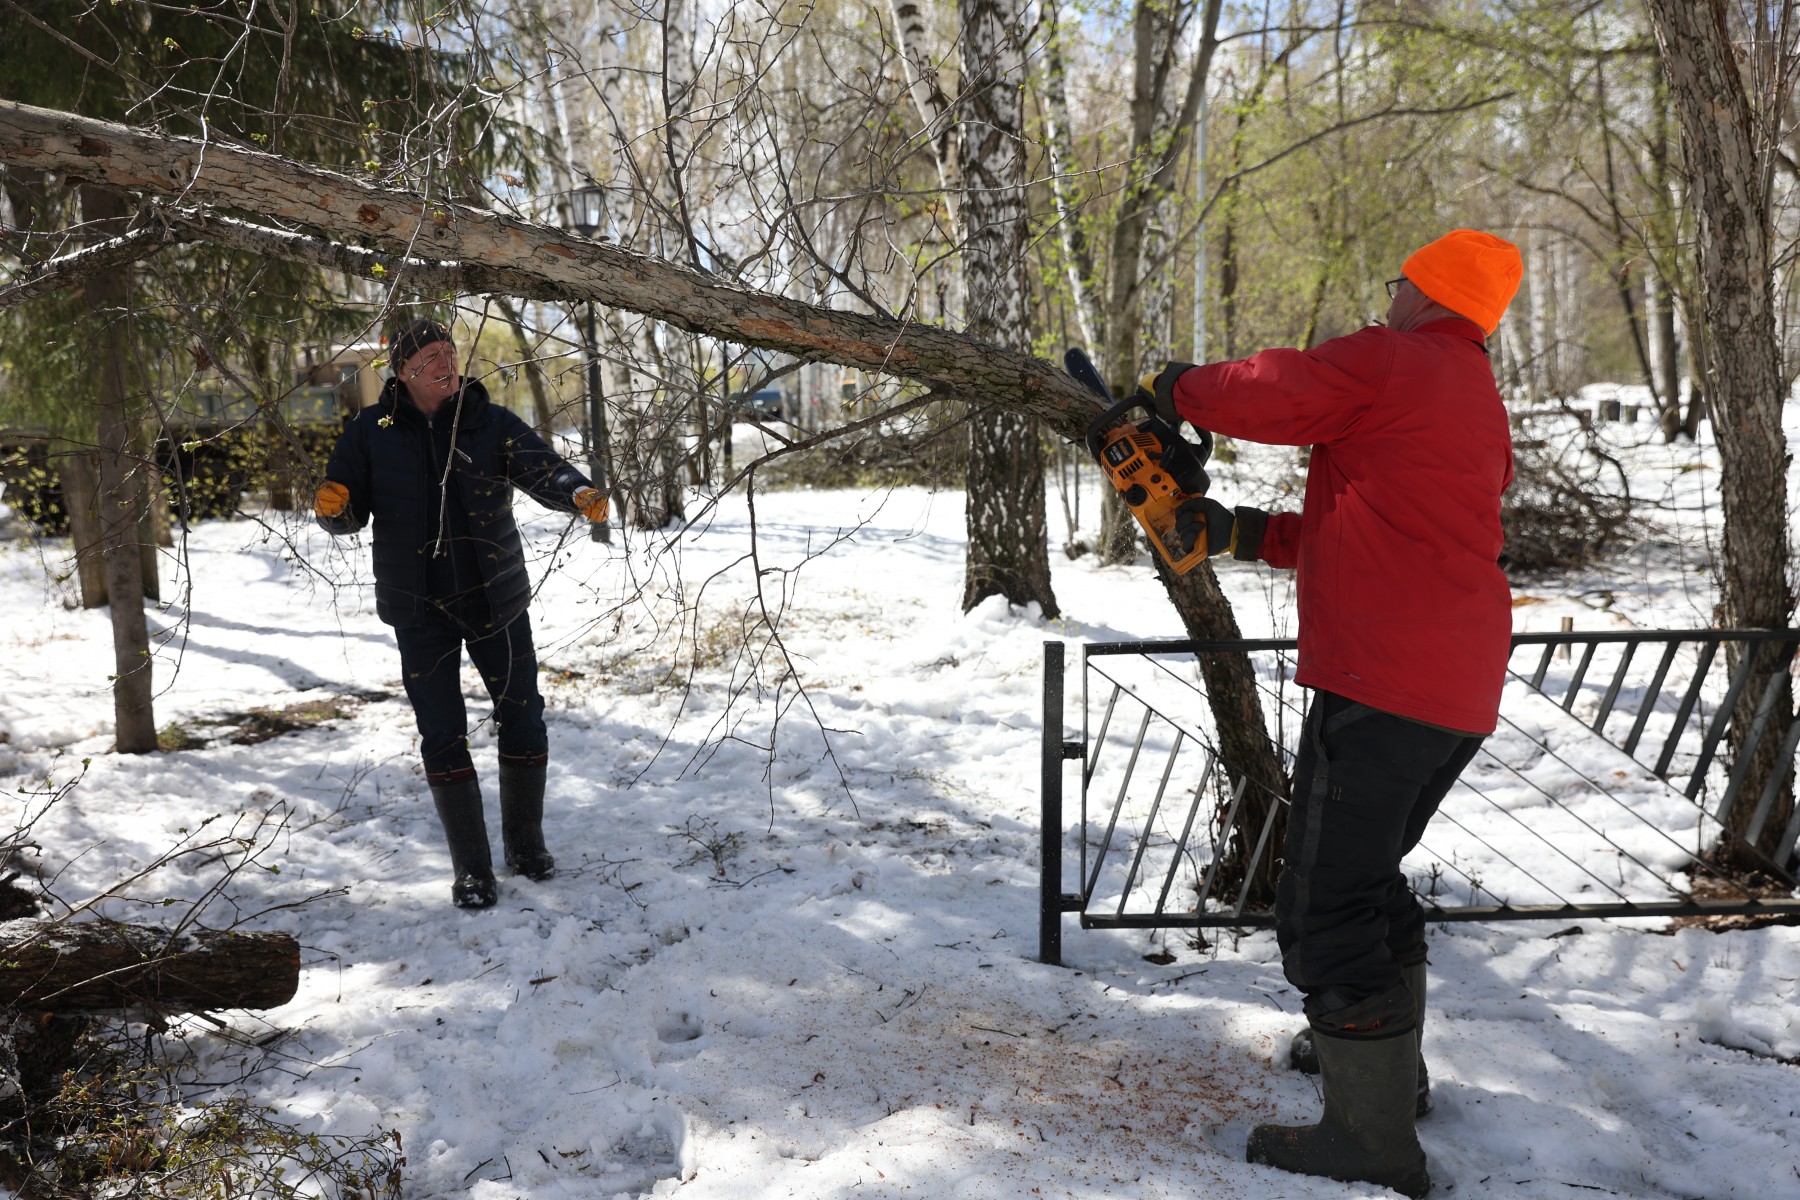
<point x="431" y="663"/>
<point x="1366" y="782"/>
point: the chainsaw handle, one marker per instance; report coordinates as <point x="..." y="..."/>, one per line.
<point x="1201" y="450"/>
<point x="1081" y="368"/>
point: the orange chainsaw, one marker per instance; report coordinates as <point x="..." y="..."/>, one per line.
<point x="1153" y="468"/>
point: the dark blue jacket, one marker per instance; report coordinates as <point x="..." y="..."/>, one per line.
<point x="460" y="552"/>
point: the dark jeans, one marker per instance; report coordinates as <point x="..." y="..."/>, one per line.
<point x="431" y="662"/>
<point x="1366" y="782"/>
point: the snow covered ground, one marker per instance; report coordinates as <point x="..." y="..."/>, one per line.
<point x="790" y="951"/>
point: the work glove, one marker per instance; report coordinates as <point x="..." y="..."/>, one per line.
<point x="590" y="502"/>
<point x="1237" y="532"/>
<point x="1248" y="526"/>
<point x="331" y="499"/>
<point x="1157" y="390"/>
<point x="1200" y="517"/>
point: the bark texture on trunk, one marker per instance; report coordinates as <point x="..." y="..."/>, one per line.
<point x="1008" y="538"/>
<point x="80" y="479"/>
<point x="1730" y="165"/>
<point x="54" y="967"/>
<point x="121" y="492"/>
<point x="1250" y="758"/>
<point x="1162" y="121"/>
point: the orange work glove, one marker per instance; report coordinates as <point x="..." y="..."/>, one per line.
<point x="591" y="503"/>
<point x="332" y="499"/>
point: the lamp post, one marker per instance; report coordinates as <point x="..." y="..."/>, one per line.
<point x="587" y="213"/>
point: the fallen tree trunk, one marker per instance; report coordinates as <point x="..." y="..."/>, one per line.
<point x="101" y="966"/>
<point x="481" y="250"/>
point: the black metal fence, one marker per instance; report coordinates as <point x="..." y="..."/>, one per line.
<point x="1606" y="782"/>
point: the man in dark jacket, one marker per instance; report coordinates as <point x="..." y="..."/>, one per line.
<point x="1405" y="628"/>
<point x="434" y="464"/>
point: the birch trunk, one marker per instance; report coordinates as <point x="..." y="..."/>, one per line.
<point x="1569" y="340"/>
<point x="1008" y="541"/>
<point x="924" y="83"/>
<point x="1078" y="253"/>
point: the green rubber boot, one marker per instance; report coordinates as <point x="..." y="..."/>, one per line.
<point x="1415" y="983"/>
<point x="1366" y="1133"/>
<point x="1303" y="1055"/>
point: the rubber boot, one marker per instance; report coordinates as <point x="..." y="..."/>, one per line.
<point x="465" y="829"/>
<point x="522" y="817"/>
<point x="1414" y="974"/>
<point x="1366" y="1133"/>
<point x="1303" y="1056"/>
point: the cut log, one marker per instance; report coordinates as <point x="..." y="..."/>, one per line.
<point x="99" y="966"/>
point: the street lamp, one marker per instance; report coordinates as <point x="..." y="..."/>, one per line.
<point x="587" y="214"/>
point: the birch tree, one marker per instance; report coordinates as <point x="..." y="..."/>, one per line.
<point x="1008" y="546"/>
<point x="984" y="167"/>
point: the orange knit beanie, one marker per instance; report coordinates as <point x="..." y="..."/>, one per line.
<point x="1471" y="273"/>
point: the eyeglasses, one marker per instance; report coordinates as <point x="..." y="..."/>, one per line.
<point x="1393" y="286"/>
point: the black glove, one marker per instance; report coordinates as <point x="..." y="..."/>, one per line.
<point x="1237" y="532"/>
<point x="1247" y="533"/>
<point x="1158" y="391"/>
<point x="1203" y="517"/>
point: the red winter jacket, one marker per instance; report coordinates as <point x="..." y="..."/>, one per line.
<point x="1403" y="606"/>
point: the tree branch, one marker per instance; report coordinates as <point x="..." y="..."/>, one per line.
<point x="66" y="270"/>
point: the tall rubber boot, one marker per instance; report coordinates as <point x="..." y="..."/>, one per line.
<point x="1303" y="1055"/>
<point x="1414" y="975"/>
<point x="522" y="816"/>
<point x="1366" y="1133"/>
<point x="458" y="800"/>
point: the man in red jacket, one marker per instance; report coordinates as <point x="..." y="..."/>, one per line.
<point x="1405" y="629"/>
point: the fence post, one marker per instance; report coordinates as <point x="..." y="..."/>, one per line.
<point x="1050" y="818"/>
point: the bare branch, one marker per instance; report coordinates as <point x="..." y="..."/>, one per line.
<point x="67" y="270"/>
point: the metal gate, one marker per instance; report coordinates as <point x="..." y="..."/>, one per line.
<point x="1606" y="781"/>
